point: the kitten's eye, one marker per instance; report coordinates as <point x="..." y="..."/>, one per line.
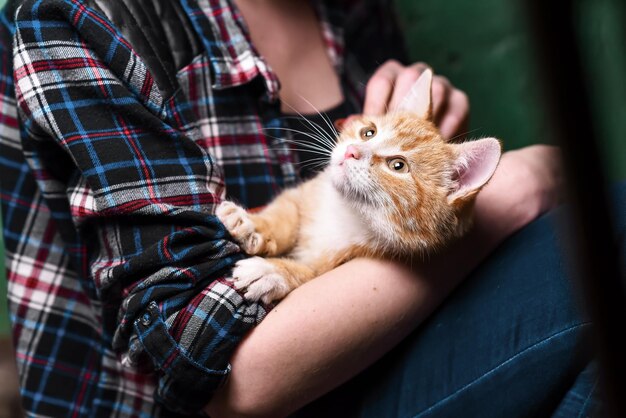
<point x="368" y="132"/>
<point x="398" y="165"/>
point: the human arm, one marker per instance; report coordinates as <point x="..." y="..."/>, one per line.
<point x="331" y="328"/>
<point x="109" y="149"/>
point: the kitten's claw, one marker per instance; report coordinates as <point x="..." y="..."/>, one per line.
<point x="240" y="226"/>
<point x="260" y="279"/>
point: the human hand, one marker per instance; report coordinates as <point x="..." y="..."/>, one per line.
<point x="391" y="82"/>
<point x="527" y="183"/>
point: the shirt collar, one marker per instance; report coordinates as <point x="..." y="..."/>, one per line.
<point x="233" y="57"/>
<point x="331" y="18"/>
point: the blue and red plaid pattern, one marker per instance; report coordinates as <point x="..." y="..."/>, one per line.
<point x="115" y="260"/>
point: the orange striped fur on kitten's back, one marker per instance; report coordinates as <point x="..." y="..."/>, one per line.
<point x="394" y="187"/>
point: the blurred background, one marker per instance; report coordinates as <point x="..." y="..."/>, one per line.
<point x="484" y="48"/>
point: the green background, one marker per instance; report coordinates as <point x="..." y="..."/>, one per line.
<point x="484" y="48"/>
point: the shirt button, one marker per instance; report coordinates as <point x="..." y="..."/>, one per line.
<point x="146" y="319"/>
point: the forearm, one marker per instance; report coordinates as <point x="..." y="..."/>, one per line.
<point x="332" y="327"/>
<point x="336" y="325"/>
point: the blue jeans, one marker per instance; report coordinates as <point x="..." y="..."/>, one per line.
<point x="509" y="342"/>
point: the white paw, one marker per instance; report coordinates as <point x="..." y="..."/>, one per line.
<point x="260" y="279"/>
<point x="240" y="226"/>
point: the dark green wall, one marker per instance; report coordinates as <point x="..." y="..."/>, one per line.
<point x="484" y="48"/>
<point x="602" y="26"/>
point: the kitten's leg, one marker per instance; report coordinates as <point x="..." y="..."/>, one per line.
<point x="272" y="231"/>
<point x="270" y="279"/>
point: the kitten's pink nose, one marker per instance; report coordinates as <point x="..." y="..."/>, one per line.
<point x="351" y="152"/>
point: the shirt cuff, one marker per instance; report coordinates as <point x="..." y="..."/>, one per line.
<point x="189" y="373"/>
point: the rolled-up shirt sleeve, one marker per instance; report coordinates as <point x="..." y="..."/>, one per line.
<point x="105" y="146"/>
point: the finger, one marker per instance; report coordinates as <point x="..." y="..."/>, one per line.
<point x="441" y="91"/>
<point x="405" y="80"/>
<point x="379" y="88"/>
<point x="456" y="118"/>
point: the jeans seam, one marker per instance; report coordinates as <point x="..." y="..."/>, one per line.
<point x="582" y="409"/>
<point x="496" y="368"/>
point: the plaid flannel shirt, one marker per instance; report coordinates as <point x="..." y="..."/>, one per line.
<point x="115" y="260"/>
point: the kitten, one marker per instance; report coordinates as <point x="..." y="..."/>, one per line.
<point x="394" y="187"/>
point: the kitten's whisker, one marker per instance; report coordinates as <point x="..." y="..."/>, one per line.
<point x="314" y="151"/>
<point x="315" y="166"/>
<point x="323" y="158"/>
<point x="322" y="137"/>
<point x="302" y="147"/>
<point x="312" y="161"/>
<point x="308" y="146"/>
<point x="313" y="125"/>
<point x="313" y="141"/>
<point x="321" y="151"/>
<point x="318" y="140"/>
<point x="318" y="164"/>
<point x="298" y="149"/>
<point x="305" y="147"/>
<point x="305" y="143"/>
<point x="464" y="134"/>
<point x="303" y="118"/>
<point x="324" y="117"/>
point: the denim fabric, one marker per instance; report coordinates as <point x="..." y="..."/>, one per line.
<point x="582" y="400"/>
<point x="509" y="342"/>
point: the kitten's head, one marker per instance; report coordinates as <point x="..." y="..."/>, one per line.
<point x="415" y="190"/>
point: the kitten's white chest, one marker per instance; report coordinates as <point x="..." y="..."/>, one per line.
<point x="332" y="226"/>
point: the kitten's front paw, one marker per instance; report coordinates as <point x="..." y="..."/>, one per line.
<point x="240" y="226"/>
<point x="260" y="280"/>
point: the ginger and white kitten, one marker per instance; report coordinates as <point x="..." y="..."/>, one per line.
<point x="394" y="187"/>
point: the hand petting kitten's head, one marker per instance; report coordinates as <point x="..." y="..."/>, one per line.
<point x="415" y="189"/>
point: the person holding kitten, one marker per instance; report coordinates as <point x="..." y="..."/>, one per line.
<point x="126" y="123"/>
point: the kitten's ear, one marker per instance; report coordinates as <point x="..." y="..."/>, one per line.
<point x="343" y="122"/>
<point x="475" y="163"/>
<point x="419" y="98"/>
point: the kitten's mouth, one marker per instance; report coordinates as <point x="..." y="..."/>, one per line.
<point x="354" y="195"/>
<point x="347" y="181"/>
